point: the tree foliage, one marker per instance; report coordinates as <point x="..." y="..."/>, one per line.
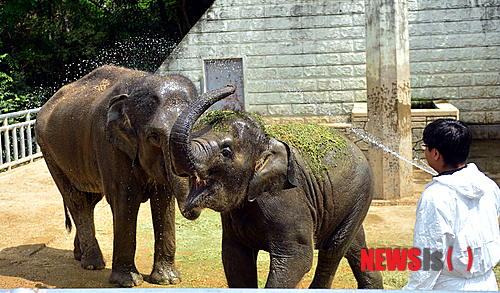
<point x="39" y="38"/>
<point x="13" y="94"/>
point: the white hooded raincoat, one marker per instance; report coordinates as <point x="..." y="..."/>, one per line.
<point x="459" y="210"/>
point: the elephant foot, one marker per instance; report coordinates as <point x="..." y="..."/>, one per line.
<point x="371" y="280"/>
<point x="165" y="276"/>
<point x="126" y="279"/>
<point x="93" y="264"/>
<point x="92" y="261"/>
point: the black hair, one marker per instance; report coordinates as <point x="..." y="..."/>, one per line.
<point x="451" y="138"/>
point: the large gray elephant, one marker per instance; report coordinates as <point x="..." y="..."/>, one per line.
<point x="287" y="199"/>
<point x="107" y="134"/>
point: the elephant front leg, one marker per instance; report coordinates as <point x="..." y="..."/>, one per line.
<point x="163" y="213"/>
<point x="124" y="273"/>
<point x="240" y="263"/>
<point x="289" y="265"/>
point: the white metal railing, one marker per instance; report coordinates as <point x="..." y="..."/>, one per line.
<point x="17" y="140"/>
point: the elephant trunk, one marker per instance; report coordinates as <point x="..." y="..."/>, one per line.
<point x="180" y="137"/>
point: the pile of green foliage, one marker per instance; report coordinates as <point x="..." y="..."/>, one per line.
<point x="312" y="140"/>
<point x="220" y="120"/>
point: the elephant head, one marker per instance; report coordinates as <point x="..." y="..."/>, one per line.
<point x="139" y="121"/>
<point x="229" y="158"/>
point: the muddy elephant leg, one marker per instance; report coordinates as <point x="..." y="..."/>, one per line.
<point x="125" y="206"/>
<point x="328" y="262"/>
<point x="81" y="206"/>
<point x="163" y="213"/>
<point x="329" y="257"/>
<point x="240" y="263"/>
<point x="366" y="279"/>
<point x="289" y="265"/>
<point x="92" y="200"/>
<point x="86" y="249"/>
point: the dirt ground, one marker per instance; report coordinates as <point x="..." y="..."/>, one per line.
<point x="36" y="250"/>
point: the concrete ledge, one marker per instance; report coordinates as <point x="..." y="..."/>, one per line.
<point x="359" y="112"/>
<point x="443" y="109"/>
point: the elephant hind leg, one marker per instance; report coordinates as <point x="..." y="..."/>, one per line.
<point x="328" y="262"/>
<point x="81" y="207"/>
<point x="334" y="249"/>
<point x="365" y="279"/>
<point x="86" y="247"/>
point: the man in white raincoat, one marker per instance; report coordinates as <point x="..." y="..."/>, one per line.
<point x="458" y="210"/>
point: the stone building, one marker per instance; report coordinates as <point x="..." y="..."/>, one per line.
<point x="300" y="60"/>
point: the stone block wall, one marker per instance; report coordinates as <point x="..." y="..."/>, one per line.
<point x="300" y="58"/>
<point x="306" y="59"/>
<point x="455" y="55"/>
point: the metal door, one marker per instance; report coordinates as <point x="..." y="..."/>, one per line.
<point x="222" y="72"/>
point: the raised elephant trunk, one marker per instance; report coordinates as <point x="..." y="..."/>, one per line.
<point x="180" y="136"/>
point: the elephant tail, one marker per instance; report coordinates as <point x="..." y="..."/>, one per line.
<point x="68" y="219"/>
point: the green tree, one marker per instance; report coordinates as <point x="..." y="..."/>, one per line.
<point x="44" y="39"/>
<point x="13" y="95"/>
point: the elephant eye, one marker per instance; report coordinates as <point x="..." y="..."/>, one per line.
<point x="154" y="138"/>
<point x="226" y="152"/>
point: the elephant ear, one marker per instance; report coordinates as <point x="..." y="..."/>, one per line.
<point x="274" y="171"/>
<point x="119" y="129"/>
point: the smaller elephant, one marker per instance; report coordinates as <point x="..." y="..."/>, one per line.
<point x="106" y="135"/>
<point x="287" y="190"/>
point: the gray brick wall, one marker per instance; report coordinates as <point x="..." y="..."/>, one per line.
<point x="306" y="58"/>
<point x="455" y="55"/>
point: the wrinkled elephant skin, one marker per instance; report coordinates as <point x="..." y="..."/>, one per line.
<point x="107" y="134"/>
<point x="270" y="199"/>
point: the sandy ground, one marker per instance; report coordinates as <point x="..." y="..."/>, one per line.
<point x="36" y="250"/>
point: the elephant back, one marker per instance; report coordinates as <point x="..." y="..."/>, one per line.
<point x="323" y="148"/>
<point x="73" y="101"/>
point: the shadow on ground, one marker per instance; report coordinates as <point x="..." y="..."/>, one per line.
<point x="39" y="266"/>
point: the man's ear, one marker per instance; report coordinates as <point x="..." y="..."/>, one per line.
<point x="274" y="171"/>
<point x="119" y="129"/>
<point x="436" y="155"/>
